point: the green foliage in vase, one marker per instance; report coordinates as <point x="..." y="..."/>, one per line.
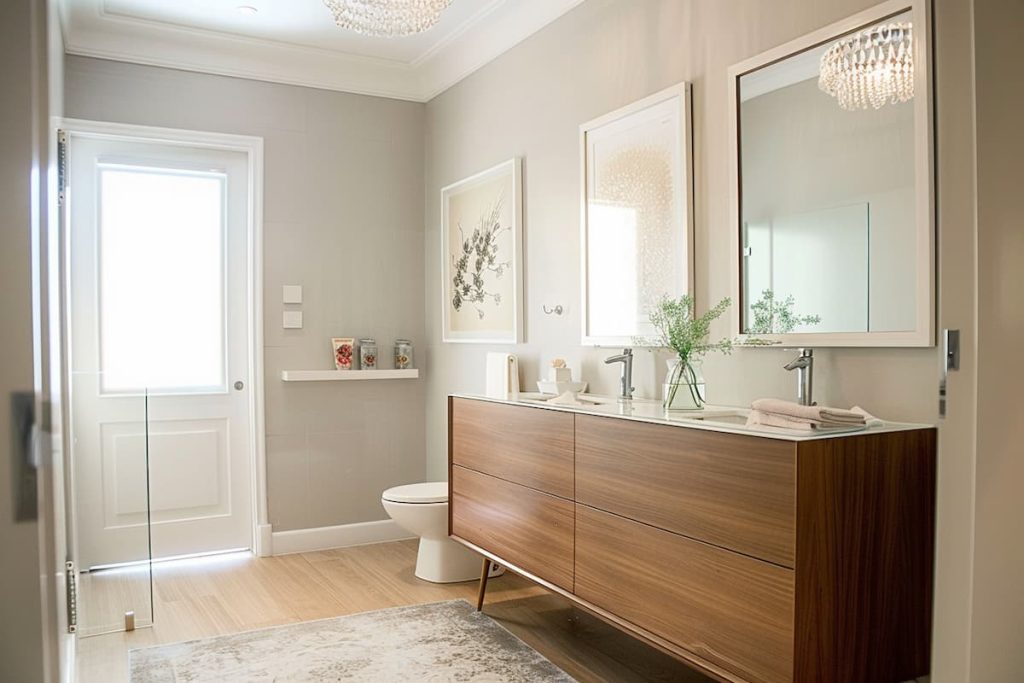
<point x="684" y="332"/>
<point x="687" y="334"/>
<point x="478" y="257"/>
<point x="777" y="317"/>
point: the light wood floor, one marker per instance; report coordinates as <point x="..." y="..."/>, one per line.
<point x="211" y="596"/>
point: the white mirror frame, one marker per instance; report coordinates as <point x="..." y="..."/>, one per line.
<point x="923" y="334"/>
<point x="682" y="92"/>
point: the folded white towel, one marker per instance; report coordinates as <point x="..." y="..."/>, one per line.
<point x="566" y="398"/>
<point x="869" y="419"/>
<point x="760" y="418"/>
<point x="816" y="414"/>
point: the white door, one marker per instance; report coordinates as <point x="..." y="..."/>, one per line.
<point x="159" y="307"/>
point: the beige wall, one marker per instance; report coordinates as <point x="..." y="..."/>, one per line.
<point x="997" y="628"/>
<point x="342" y="217"/>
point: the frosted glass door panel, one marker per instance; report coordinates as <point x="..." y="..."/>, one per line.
<point x="162" y="277"/>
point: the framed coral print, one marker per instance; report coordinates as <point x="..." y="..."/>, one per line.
<point x="482" y="254"/>
<point x="636" y="240"/>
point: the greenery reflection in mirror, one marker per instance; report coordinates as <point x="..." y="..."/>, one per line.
<point x="827" y="169"/>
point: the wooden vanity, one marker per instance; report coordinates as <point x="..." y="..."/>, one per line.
<point x="753" y="558"/>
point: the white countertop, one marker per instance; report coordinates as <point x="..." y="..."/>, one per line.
<point x="730" y="420"/>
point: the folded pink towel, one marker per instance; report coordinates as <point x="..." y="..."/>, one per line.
<point x="797" y="424"/>
<point x="815" y="414"/>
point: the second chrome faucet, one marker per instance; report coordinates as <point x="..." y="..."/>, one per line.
<point x="804" y="366"/>
<point x="626" y="358"/>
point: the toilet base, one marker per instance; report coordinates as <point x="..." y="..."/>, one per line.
<point x="442" y="560"/>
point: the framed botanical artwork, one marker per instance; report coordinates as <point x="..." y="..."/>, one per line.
<point x="636" y="235"/>
<point x="482" y="256"/>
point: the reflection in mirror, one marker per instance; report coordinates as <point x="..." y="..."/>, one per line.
<point x="827" y="168"/>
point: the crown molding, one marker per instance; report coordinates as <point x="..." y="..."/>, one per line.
<point x="496" y="27"/>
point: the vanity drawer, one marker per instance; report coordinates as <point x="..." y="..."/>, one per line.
<point x="528" y="446"/>
<point x="733" y="611"/>
<point x="730" y="490"/>
<point x="532" y="530"/>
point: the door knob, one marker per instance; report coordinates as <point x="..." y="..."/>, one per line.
<point x="239" y="385"/>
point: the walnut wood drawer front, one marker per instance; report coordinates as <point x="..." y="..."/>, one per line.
<point x="733" y="491"/>
<point x="529" y="529"/>
<point x="731" y="610"/>
<point x="528" y="446"/>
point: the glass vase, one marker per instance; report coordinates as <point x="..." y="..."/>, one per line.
<point x="684" y="386"/>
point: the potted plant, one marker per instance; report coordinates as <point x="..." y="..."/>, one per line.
<point x="680" y="330"/>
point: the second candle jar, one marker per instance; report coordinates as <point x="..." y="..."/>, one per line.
<point x="368" y="354"/>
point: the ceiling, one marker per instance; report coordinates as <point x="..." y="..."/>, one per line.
<point x="297" y="42"/>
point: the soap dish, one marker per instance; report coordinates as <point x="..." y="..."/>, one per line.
<point x="559" y="388"/>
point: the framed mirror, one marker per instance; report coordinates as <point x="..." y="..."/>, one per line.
<point x="833" y="192"/>
<point x="636" y="238"/>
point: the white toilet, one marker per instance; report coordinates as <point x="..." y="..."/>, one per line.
<point x="422" y="509"/>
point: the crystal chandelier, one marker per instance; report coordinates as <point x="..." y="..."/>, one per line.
<point x="387" y="17"/>
<point x="870" y="68"/>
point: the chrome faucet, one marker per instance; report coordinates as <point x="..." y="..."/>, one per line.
<point x="626" y="358"/>
<point x="804" y="366"/>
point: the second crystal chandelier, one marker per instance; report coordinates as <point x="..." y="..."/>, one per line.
<point x="871" y="68"/>
<point x="390" y="18"/>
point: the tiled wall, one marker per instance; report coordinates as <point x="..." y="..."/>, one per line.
<point x="343" y="217"/>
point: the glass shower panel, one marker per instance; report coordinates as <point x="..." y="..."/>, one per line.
<point x="110" y="454"/>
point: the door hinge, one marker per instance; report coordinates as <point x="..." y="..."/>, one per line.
<point x="62" y="166"/>
<point x="71" y="582"/>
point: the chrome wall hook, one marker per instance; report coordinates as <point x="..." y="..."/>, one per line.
<point x="556" y="310"/>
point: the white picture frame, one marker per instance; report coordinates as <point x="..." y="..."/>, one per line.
<point x="482" y="282"/>
<point x="668" y="114"/>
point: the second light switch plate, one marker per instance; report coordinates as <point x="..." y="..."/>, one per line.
<point x="292" y="320"/>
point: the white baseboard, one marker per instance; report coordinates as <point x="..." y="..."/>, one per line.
<point x="264" y="541"/>
<point x="343" y="536"/>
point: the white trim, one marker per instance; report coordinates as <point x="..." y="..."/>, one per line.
<point x="515" y="166"/>
<point x="343" y="536"/>
<point x="923" y="334"/>
<point x="682" y="92"/>
<point x="252" y="147"/>
<point x="497" y="27"/>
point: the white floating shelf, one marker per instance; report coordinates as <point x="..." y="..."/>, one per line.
<point x="350" y="375"/>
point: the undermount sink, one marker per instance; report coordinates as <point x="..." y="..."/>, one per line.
<point x="721" y="416"/>
<point x="641" y="407"/>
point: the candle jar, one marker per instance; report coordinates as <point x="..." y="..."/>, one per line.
<point x="368" y="354"/>
<point x="403" y="354"/>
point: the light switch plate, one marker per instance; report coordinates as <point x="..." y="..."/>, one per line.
<point x="291" y="294"/>
<point x="292" y="320"/>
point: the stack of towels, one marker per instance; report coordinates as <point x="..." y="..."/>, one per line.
<point x="773" y="412"/>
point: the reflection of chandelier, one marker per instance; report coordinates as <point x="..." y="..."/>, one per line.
<point x="870" y="68"/>
<point x="387" y="17"/>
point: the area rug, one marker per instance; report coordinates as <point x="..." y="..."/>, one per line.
<point x="434" y="643"/>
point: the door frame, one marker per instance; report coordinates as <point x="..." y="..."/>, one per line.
<point x="252" y="147"/>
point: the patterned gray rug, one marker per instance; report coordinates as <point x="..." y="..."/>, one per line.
<point x="443" y="641"/>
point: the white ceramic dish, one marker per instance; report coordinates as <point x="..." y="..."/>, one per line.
<point x="559" y="388"/>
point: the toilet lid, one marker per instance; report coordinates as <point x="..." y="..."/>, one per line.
<point x="427" y="492"/>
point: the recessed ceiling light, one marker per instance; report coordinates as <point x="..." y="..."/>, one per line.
<point x="247" y="9"/>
